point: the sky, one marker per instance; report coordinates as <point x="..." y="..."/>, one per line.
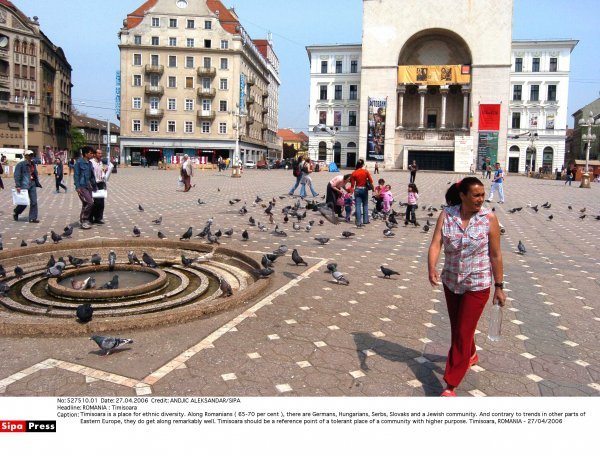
<point x="87" y="32"/>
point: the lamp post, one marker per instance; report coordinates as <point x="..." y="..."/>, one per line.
<point x="588" y="138"/>
<point x="235" y="168"/>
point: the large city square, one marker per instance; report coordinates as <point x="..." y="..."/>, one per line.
<point x="306" y="335"/>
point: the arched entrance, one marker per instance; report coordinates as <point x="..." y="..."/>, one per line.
<point x="337" y="153"/>
<point x="513" y="159"/>
<point x="351" y="155"/>
<point x="547" y="159"/>
<point x="530" y="158"/>
<point x="323" y="151"/>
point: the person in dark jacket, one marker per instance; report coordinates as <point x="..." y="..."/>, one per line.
<point x="58" y="175"/>
<point x="26" y="178"/>
<point x="84" y="185"/>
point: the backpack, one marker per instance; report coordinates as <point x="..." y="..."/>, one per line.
<point x="296" y="169"/>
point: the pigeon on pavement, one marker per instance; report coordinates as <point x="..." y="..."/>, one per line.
<point x="41" y="240"/>
<point x="140" y="208"/>
<point x="107" y="343"/>
<point x="68" y="231"/>
<point x="331" y="267"/>
<point x="77" y="262"/>
<point x="84" y="312"/>
<point x="322" y="240"/>
<point x="521" y="248"/>
<point x="161" y="236"/>
<point x="112" y="260"/>
<point x="96" y="259"/>
<point x="339" y="278"/>
<point x="186" y="261"/>
<point x="136" y="231"/>
<point x="348" y="234"/>
<point x="187" y="235"/>
<point x="158" y="221"/>
<point x="56" y="238"/>
<point x="4" y="288"/>
<point x="387" y="273"/>
<point x="296" y="258"/>
<point x="225" y="287"/>
<point x="263" y="273"/>
<point x="132" y="257"/>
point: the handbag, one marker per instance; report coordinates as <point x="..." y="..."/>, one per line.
<point x="100" y="193"/>
<point x="369" y="186"/>
<point x="20" y="199"/>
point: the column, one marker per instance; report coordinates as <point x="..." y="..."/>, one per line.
<point x="466" y="91"/>
<point x="444" y="91"/>
<point x="401" y="90"/>
<point x="422" y="93"/>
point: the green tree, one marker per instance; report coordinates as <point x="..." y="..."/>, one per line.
<point x="77" y="139"/>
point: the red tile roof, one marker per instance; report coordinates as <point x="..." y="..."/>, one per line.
<point x="288" y="135"/>
<point x="134" y="19"/>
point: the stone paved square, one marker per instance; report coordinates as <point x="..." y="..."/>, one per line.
<point x="391" y="335"/>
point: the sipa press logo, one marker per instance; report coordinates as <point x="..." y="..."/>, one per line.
<point x="27" y="426"/>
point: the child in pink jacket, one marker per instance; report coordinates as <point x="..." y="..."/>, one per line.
<point x="388" y="199"/>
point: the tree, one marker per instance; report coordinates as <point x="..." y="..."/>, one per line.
<point x="77" y="139"/>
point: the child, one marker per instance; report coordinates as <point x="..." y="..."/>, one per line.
<point x="388" y="199"/>
<point x="413" y="196"/>
<point x="377" y="195"/>
<point x="348" y="203"/>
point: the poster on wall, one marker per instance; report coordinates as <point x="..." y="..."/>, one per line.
<point x="434" y="74"/>
<point x="337" y="118"/>
<point x="463" y="153"/>
<point x="549" y="121"/>
<point x="376" y="131"/>
<point x="487" y="147"/>
<point x="533" y="121"/>
<point x="323" y="117"/>
<point x="489" y="117"/>
<point x="242" y="103"/>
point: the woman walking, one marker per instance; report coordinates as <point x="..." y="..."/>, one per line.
<point x="335" y="190"/>
<point x="470" y="236"/>
<point x="187" y="171"/>
<point x="307" y="169"/>
<point x="360" y="180"/>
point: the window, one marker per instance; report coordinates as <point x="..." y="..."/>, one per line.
<point x="189" y="104"/>
<point x="137" y="59"/>
<point x="137" y="125"/>
<point x="173" y="23"/>
<point x="189" y="42"/>
<point x="136" y="103"/>
<point x="338" y="66"/>
<point x="206" y="105"/>
<point x="553" y="64"/>
<point x="207" y="25"/>
<point x="224" y="64"/>
<point x="206" y="62"/>
<point x="172" y="82"/>
<point x="137" y="39"/>
<point x="190" y="24"/>
<point x="206" y="83"/>
<point x="354" y="66"/>
<point x="154" y="60"/>
<point x="224" y="44"/>
<point x="137" y="80"/>
<point x="154" y="126"/>
<point x="324" y="67"/>
<point x="323" y="117"/>
<point x="551" y="92"/>
<point x="156" y="22"/>
<point x="354" y="92"/>
<point x="223" y="105"/>
<point x="517" y="90"/>
<point x="518" y="65"/>
<point x="516" y="120"/>
<point x="172" y="104"/>
<point x="189" y="61"/>
<point x="154" y="103"/>
<point x="172" y="61"/>
<point x="189" y="82"/>
<point x="155" y="41"/>
<point x="338" y="92"/>
<point x="535" y="64"/>
<point x="222" y="128"/>
<point x="154" y="80"/>
<point x="205" y="127"/>
<point x="172" y="41"/>
<point x="207" y="44"/>
<point x="189" y="127"/>
<point x="171" y="126"/>
<point x="223" y="84"/>
<point x="323" y="92"/>
<point x="535" y="93"/>
<point x="352" y="119"/>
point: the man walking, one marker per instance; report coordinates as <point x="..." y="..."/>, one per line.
<point x="413" y="171"/>
<point x="497" y="185"/>
<point x="187" y="171"/>
<point x="26" y="178"/>
<point x="100" y="172"/>
<point x="84" y="184"/>
<point x="58" y="175"/>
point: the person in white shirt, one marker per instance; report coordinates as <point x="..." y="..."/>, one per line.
<point x="100" y="172"/>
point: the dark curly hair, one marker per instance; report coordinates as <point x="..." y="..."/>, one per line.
<point x="463" y="186"/>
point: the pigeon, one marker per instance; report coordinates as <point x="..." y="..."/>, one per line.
<point x="211" y="238"/>
<point x="186" y="261"/>
<point x="583" y="210"/>
<point x="67" y="232"/>
<point x="269" y="209"/>
<point x="297" y="259"/>
<point x="348" y="234"/>
<point x="228" y="232"/>
<point x="225" y="287"/>
<point x="243" y="210"/>
<point x="187" y="235"/>
<point x="205" y="231"/>
<point x="271" y="219"/>
<point x="426" y="228"/>
<point x="149" y="260"/>
<point x="204" y="258"/>
<point x="550" y="217"/>
<point x="219" y="234"/>
<point x="19" y="272"/>
<point x="132" y="257"/>
<point x="77" y="262"/>
<point x="281" y="250"/>
<point x="84" y="312"/>
<point x="546" y="204"/>
<point x="339" y="278"/>
<point x="261" y="227"/>
<point x="272" y="257"/>
<point x="263" y="273"/>
<point x="89" y="283"/>
<point x="535" y="208"/>
<point x="245" y="235"/>
<point x="4" y="288"/>
<point x="251" y="221"/>
<point x="387" y="273"/>
<point x="23" y="243"/>
<point x="51" y="262"/>
<point x="158" y="221"/>
<point x="200" y="202"/>
<point x="286" y="219"/>
<point x="321" y="222"/>
<point x="56" y="238"/>
<point x="112" y="260"/>
<point x="331" y="267"/>
<point x="112" y="285"/>
<point x="96" y="259"/>
<point x="392" y="219"/>
<point x="80" y="284"/>
<point x="161" y="236"/>
<point x="140" y="208"/>
<point x="581" y="217"/>
<point x="388" y="233"/>
<point x="307" y="228"/>
<point x="41" y="240"/>
<point x="570" y="207"/>
<point x="266" y="263"/>
<point x="521" y="248"/>
<point x="55" y="270"/>
<point x="328" y="214"/>
<point x="258" y="199"/>
<point x="136" y="231"/>
<point x="107" y="343"/>
<point x="296" y="226"/>
<point x="233" y="201"/>
<point x="322" y="240"/>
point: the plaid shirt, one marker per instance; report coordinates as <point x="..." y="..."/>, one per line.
<point x="467" y="264"/>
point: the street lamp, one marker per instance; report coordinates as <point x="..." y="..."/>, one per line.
<point x="235" y="168"/>
<point x="531" y="149"/>
<point x="588" y="138"/>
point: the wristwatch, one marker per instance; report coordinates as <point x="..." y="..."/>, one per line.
<point x="499" y="285"/>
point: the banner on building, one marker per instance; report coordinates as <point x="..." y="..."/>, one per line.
<point x="489" y="117"/>
<point x="487" y="148"/>
<point x="337" y="118"/>
<point x="533" y="121"/>
<point x="242" y="93"/>
<point x="434" y="74"/>
<point x="376" y="130"/>
<point x="118" y="95"/>
<point x="549" y="121"/>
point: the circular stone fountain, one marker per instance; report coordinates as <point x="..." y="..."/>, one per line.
<point x="146" y="297"/>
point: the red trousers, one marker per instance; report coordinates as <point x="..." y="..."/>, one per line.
<point x="464" y="312"/>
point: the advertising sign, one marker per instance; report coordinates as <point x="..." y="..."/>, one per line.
<point x="118" y="95"/>
<point x="242" y="93"/>
<point x="434" y="74"/>
<point x="463" y="153"/>
<point x="376" y="131"/>
<point x="489" y="117"/>
<point x="487" y="147"/>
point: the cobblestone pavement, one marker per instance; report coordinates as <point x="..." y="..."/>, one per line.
<point x="311" y="337"/>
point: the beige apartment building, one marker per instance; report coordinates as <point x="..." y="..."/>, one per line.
<point x="33" y="71"/>
<point x="193" y="82"/>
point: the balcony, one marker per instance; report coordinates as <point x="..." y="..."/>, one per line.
<point x="4" y="80"/>
<point x="265" y="110"/>
<point x="250" y="101"/>
<point x="154" y="90"/>
<point x="207" y="92"/>
<point x="206" y="115"/>
<point x="249" y="120"/>
<point x="207" y="71"/>
<point x="152" y="113"/>
<point x="265" y="95"/>
<point x="264" y="128"/>
<point x="251" y="81"/>
<point x="154" y="69"/>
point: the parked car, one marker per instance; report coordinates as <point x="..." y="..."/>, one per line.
<point x="262" y="164"/>
<point x="250" y="164"/>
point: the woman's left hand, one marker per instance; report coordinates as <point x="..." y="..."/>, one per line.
<point x="499" y="297"/>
